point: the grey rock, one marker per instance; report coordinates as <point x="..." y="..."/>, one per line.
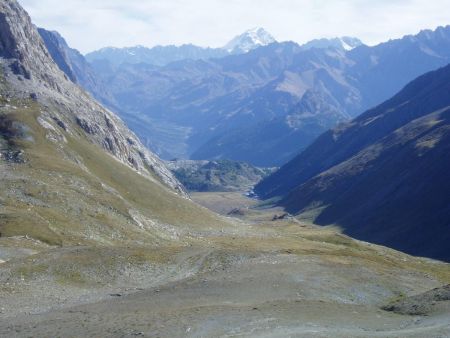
<point x="74" y="65"/>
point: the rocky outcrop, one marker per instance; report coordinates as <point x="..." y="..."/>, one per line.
<point x="55" y="45"/>
<point x="421" y="304"/>
<point x="220" y="175"/>
<point x="31" y="72"/>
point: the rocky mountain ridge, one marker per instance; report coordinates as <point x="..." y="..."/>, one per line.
<point x="75" y="66"/>
<point x="163" y="55"/>
<point x="156" y="56"/>
<point x="345" y="43"/>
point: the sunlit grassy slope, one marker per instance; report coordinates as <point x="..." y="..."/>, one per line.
<point x="69" y="190"/>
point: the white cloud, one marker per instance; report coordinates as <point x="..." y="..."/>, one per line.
<point x="91" y="24"/>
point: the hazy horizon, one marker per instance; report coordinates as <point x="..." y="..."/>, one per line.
<point x="91" y="25"/>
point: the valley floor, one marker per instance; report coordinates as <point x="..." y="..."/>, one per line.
<point x="258" y="278"/>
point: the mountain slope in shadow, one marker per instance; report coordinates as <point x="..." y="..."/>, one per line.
<point x="384" y="177"/>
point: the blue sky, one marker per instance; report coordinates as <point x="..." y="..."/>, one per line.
<point x="91" y="24"/>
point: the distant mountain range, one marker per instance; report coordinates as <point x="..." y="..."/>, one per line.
<point x="384" y="176"/>
<point x="157" y="56"/>
<point x="319" y="88"/>
<point x="163" y="55"/>
<point x="241" y="44"/>
<point x="345" y="42"/>
<point x="275" y="99"/>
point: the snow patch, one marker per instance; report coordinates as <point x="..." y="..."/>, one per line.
<point x="251" y="39"/>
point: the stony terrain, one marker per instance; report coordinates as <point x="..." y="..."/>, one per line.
<point x="259" y="278"/>
<point x="436" y="300"/>
<point x="220" y="175"/>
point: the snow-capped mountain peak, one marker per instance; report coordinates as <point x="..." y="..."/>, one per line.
<point x="349" y="43"/>
<point x="346" y="43"/>
<point x="249" y="40"/>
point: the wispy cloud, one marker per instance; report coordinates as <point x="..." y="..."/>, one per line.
<point x="91" y="24"/>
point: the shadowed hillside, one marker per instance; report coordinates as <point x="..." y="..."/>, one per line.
<point x="384" y="176"/>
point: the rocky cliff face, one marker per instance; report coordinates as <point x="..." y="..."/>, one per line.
<point x="30" y="72"/>
<point x="75" y="66"/>
<point x="55" y="45"/>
